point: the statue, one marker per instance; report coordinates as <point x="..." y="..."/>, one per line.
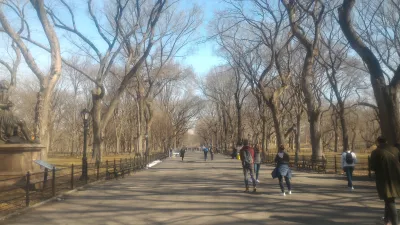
<point x="9" y="123"/>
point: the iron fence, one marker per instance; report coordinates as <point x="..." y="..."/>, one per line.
<point x="19" y="192"/>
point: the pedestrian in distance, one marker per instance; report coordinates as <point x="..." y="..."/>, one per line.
<point x="205" y="150"/>
<point x="282" y="170"/>
<point x="385" y="161"/>
<point x="247" y="158"/>
<point x="212" y="153"/>
<point x="234" y="152"/>
<point x="349" y="161"/>
<point x="182" y="153"/>
<point x="257" y="161"/>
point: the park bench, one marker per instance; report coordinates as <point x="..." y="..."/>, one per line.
<point x="319" y="165"/>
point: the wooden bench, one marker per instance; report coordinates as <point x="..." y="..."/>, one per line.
<point x="319" y="165"/>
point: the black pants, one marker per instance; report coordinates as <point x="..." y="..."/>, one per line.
<point x="390" y="211"/>
<point x="287" y="180"/>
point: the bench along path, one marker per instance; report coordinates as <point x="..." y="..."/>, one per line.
<point x="197" y="192"/>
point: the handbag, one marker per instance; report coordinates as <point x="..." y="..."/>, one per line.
<point x="274" y="173"/>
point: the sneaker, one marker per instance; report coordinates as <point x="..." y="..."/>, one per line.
<point x="283" y="194"/>
<point x="247" y="190"/>
<point x="257" y="181"/>
<point x="351" y="188"/>
<point x="254" y="190"/>
<point x="290" y="192"/>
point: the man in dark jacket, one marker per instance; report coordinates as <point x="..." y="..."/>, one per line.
<point x="247" y="158"/>
<point x="385" y="161"/>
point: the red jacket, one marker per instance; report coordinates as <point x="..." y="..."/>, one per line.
<point x="250" y="149"/>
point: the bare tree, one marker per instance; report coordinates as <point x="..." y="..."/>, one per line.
<point x="47" y="82"/>
<point x="312" y="13"/>
<point x="257" y="43"/>
<point x="381" y="21"/>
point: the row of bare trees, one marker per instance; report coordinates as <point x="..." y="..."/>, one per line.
<point x="117" y="57"/>
<point x="306" y="63"/>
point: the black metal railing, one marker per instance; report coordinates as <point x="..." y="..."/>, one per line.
<point x="19" y="192"/>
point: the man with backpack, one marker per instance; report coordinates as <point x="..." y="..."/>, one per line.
<point x="205" y="150"/>
<point x="247" y="158"/>
<point x="349" y="160"/>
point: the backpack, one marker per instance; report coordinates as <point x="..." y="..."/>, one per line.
<point x="247" y="158"/>
<point x="349" y="158"/>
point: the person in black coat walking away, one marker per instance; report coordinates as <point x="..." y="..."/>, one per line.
<point x="385" y="161"/>
<point x="283" y="170"/>
<point x="182" y="153"/>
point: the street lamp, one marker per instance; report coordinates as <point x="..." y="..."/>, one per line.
<point x="296" y="156"/>
<point x="147" y="147"/>
<point x="85" y="116"/>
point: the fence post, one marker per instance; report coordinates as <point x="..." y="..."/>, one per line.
<point x="72" y="176"/>
<point x="46" y="174"/>
<point x="115" y="169"/>
<point x="28" y="185"/>
<point x="130" y="165"/>
<point x="98" y="171"/>
<point x="121" y="167"/>
<point x="53" y="181"/>
<point x="369" y="167"/>
<point x="335" y="165"/>
<point x="107" y="172"/>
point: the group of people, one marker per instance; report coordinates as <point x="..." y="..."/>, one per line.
<point x="384" y="161"/>
<point x="251" y="163"/>
<point x="206" y="150"/>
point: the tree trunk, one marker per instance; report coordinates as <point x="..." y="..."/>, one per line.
<point x="297" y="134"/>
<point x="277" y="126"/>
<point x="343" y="124"/>
<point x="98" y="144"/>
<point x="42" y="116"/>
<point x="312" y="108"/>
<point x="315" y="134"/>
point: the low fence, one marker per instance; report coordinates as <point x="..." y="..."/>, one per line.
<point x="23" y="191"/>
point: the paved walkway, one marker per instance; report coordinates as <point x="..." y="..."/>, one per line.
<point x="197" y="192"/>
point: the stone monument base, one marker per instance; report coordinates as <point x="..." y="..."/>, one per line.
<point x="17" y="160"/>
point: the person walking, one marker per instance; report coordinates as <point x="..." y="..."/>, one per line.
<point x="212" y="153"/>
<point x="385" y="161"/>
<point x="349" y="160"/>
<point x="257" y="161"/>
<point x="205" y="150"/>
<point x="182" y="153"/>
<point x="247" y="158"/>
<point x="282" y="170"/>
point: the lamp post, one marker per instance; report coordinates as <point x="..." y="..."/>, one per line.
<point x="85" y="116"/>
<point x="296" y="156"/>
<point x="147" y="147"/>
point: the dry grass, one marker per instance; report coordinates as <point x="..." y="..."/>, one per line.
<point x="77" y="160"/>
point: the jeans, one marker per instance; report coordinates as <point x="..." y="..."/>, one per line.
<point x="349" y="173"/>
<point x="390" y="211"/>
<point x="205" y="156"/>
<point x="246" y="172"/>
<point x="287" y="180"/>
<point x="257" y="169"/>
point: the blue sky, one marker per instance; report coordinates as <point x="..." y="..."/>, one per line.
<point x="203" y="58"/>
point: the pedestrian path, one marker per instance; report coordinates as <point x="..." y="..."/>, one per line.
<point x="196" y="192"/>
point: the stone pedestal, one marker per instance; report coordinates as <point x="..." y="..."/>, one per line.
<point x="16" y="160"/>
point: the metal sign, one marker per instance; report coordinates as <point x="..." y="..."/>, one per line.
<point x="44" y="164"/>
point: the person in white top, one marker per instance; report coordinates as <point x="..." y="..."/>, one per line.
<point x="349" y="160"/>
